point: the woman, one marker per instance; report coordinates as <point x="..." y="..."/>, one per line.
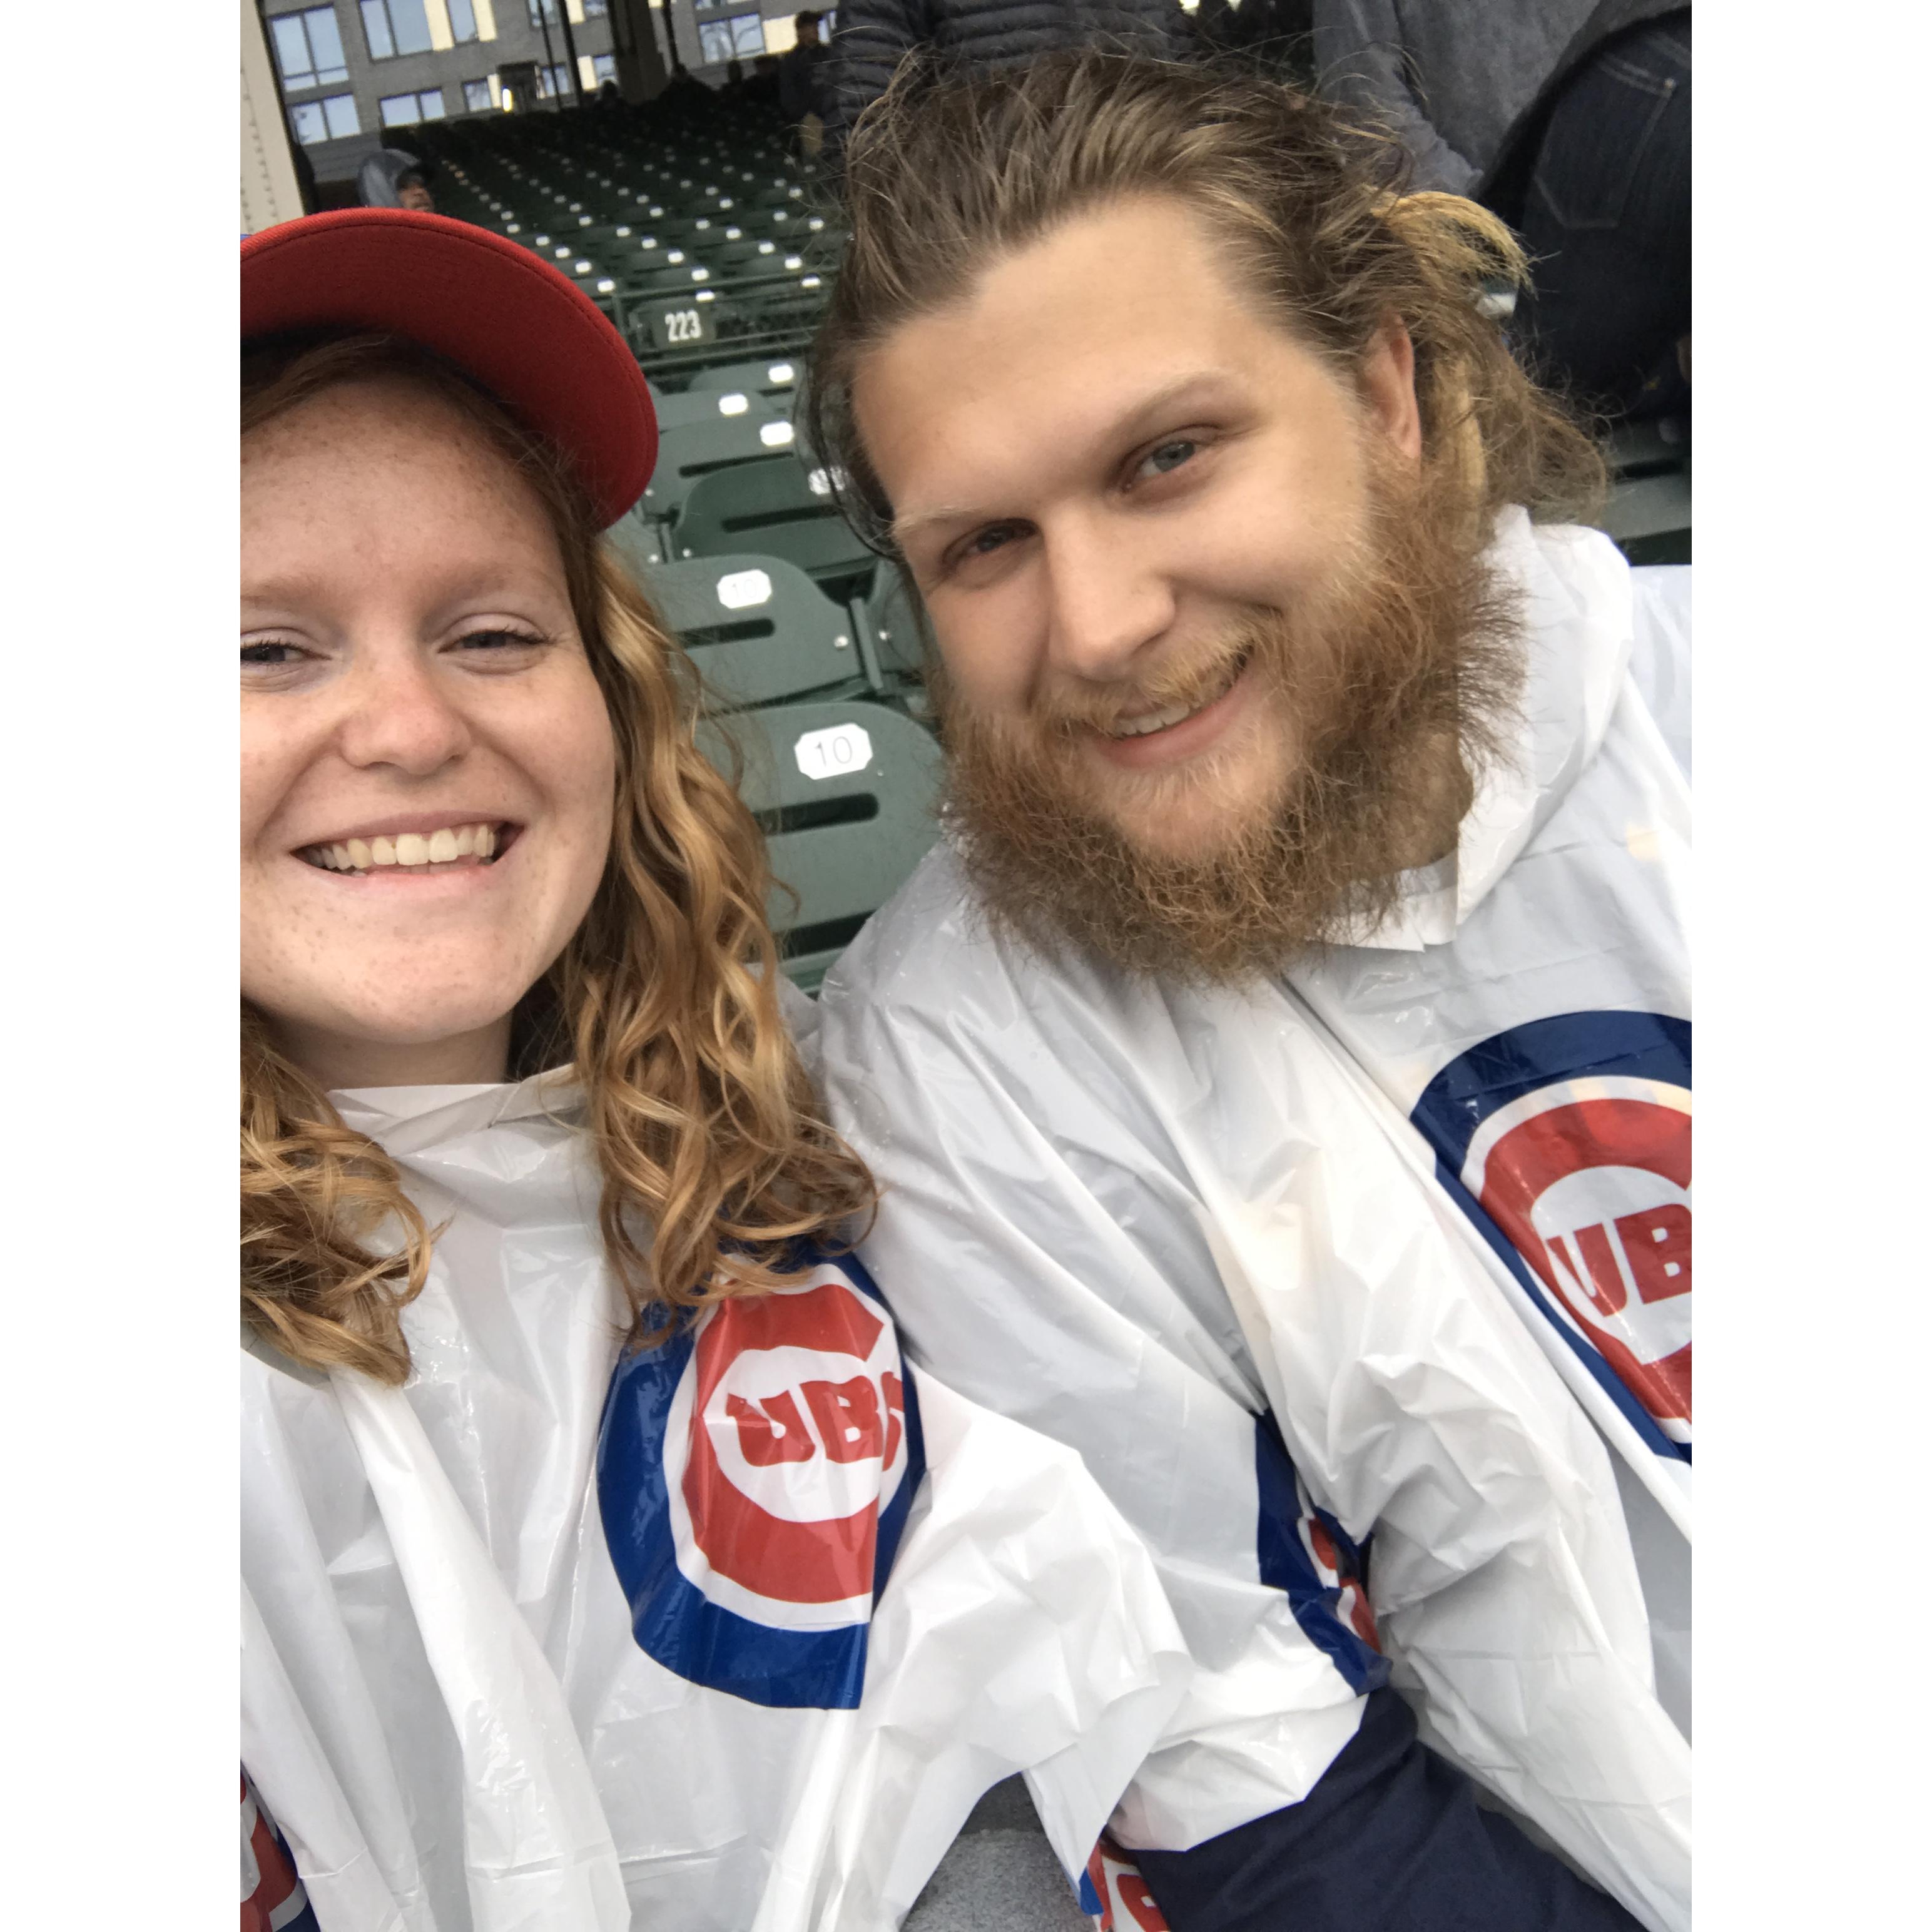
<point x="577" y="1448"/>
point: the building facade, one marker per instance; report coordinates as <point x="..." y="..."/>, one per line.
<point x="351" y="70"/>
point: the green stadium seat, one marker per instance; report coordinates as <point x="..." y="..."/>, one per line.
<point x="1648" y="511"/>
<point x="696" y="407"/>
<point x="776" y="377"/>
<point x="757" y="628"/>
<point x="778" y="507"/>
<point x="847" y="793"/>
<point x="895" y="621"/>
<point x="688" y="455"/>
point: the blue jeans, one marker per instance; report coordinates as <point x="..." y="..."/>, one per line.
<point x="1606" y="220"/>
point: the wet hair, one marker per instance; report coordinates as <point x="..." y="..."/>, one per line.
<point x="715" y="1158"/>
<point x="945" y="175"/>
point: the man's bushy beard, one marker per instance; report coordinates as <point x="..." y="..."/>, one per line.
<point x="1399" y="674"/>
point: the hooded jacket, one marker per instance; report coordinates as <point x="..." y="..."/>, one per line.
<point x="1202" y="1237"/>
<point x="874" y="35"/>
<point x="376" y="178"/>
<point x="723" y="1635"/>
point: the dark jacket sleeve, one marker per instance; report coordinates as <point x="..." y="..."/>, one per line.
<point x="1390" y="1838"/>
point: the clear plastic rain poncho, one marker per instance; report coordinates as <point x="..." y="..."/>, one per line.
<point x="1255" y="1255"/>
<point x="724" y="1636"/>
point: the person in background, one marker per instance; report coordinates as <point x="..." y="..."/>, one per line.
<point x="390" y="178"/>
<point x="801" y="73"/>
<point x="1571" y="120"/>
<point x="1278" y="1078"/>
<point x="874" y="37"/>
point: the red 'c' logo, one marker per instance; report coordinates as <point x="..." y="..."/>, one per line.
<point x="797" y="1432"/>
<point x="1590" y="1179"/>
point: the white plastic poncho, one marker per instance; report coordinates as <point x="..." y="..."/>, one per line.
<point x="723" y="1636"/>
<point x="1187" y="1233"/>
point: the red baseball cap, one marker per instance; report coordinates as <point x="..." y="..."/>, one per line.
<point x="537" y="343"/>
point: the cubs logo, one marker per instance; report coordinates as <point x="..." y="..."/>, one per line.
<point x="1112" y="1890"/>
<point x="754" y="1475"/>
<point x="1568" y="1140"/>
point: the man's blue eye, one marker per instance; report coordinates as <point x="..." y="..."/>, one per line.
<point x="266" y="654"/>
<point x="1171" y="455"/>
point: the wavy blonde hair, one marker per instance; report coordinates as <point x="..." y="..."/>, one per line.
<point x="945" y="175"/>
<point x="715" y="1158"/>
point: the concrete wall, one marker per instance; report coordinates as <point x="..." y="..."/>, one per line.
<point x="269" y="191"/>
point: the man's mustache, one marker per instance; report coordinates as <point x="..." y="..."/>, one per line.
<point x="1190" y="676"/>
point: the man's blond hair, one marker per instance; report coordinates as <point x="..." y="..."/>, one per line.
<point x="943" y="176"/>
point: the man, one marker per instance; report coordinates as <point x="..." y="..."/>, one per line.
<point x="391" y="178"/>
<point x="797" y="93"/>
<point x="1278" y="1078"/>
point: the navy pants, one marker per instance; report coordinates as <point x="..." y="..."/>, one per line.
<point x="1390" y="1840"/>
<point x="1606" y="220"/>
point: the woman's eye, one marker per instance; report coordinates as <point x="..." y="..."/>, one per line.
<point x="983" y="543"/>
<point x="1167" y="456"/>
<point x="498" y="640"/>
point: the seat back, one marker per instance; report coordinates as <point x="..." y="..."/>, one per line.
<point x="688" y="455"/>
<point x="846" y="793"/>
<point x="698" y="407"/>
<point x="898" y="625"/>
<point x="781" y="508"/>
<point x="757" y="628"/>
<point x="775" y="376"/>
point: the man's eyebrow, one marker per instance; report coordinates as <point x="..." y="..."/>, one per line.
<point x="1136" y="419"/>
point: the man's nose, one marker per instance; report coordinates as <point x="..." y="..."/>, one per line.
<point x="401" y="713"/>
<point x="1110" y="598"/>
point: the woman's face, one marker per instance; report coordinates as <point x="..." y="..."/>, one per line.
<point x="427" y="769"/>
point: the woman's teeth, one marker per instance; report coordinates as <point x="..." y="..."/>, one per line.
<point x="1173" y="714"/>
<point x="406" y="851"/>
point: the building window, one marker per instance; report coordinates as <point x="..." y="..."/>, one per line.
<point x="728" y="40"/>
<point x="327" y="120"/>
<point x="462" y="21"/>
<point x="394" y="27"/>
<point x="308" y="48"/>
<point x="603" y="67"/>
<point x="553" y="83"/>
<point x="405" y="110"/>
<point x="542" y="10"/>
<point x="476" y="97"/>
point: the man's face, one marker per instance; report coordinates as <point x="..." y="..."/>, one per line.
<point x="808" y="33"/>
<point x="1105" y="464"/>
<point x="411" y="192"/>
<point x="1174" y="561"/>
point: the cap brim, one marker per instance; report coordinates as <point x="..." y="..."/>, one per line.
<point x="535" y="342"/>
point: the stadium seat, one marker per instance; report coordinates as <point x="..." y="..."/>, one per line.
<point x="846" y="793"/>
<point x="1649" y="511"/>
<point x="777" y="377"/>
<point x="780" y="508"/>
<point x="696" y="407"/>
<point x="892" y="618"/>
<point x="757" y="628"/>
<point x="688" y="455"/>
